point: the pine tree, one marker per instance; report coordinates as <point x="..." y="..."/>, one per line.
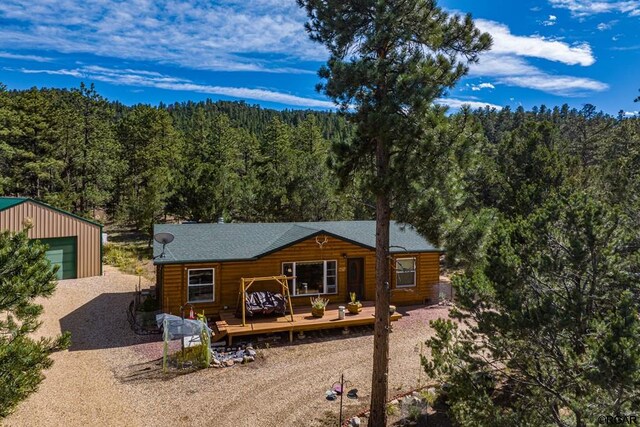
<point x="151" y="148"/>
<point x="389" y="60"/>
<point x="25" y="274"/>
<point x="551" y="327"/>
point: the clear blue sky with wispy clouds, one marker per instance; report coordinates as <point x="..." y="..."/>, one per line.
<point x="545" y="52"/>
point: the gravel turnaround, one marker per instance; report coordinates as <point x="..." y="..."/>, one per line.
<point x="112" y="377"/>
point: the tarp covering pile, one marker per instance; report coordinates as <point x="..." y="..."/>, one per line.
<point x="177" y="327"/>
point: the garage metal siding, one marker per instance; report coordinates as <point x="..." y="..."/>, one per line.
<point x="49" y="223"/>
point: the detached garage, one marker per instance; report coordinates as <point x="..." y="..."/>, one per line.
<point x="74" y="243"/>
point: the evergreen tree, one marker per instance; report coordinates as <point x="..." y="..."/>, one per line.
<point x="25" y="274"/>
<point x="389" y="60"/>
<point x="28" y="140"/>
<point x="152" y="149"/>
<point x="6" y="150"/>
<point x="277" y="172"/>
<point x="551" y="327"/>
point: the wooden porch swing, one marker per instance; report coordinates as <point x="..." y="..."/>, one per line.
<point x="246" y="282"/>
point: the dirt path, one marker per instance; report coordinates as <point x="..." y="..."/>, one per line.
<point x="109" y="377"/>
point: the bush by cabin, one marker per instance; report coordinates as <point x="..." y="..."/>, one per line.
<point x="204" y="264"/>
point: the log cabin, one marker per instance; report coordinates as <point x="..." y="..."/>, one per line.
<point x="204" y="264"/>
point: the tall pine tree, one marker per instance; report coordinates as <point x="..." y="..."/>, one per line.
<point x="389" y="60"/>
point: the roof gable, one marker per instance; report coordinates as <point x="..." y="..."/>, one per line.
<point x="238" y="242"/>
<point x="10" y="202"/>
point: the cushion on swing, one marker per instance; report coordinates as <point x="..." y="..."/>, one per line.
<point x="263" y="302"/>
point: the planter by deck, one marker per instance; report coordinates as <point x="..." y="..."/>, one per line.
<point x="354" y="308"/>
<point x="317" y="312"/>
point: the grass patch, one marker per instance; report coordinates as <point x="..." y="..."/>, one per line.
<point x="192" y="355"/>
<point x="127" y="258"/>
<point x="392" y="409"/>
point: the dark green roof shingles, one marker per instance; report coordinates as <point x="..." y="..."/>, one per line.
<point x="229" y="242"/>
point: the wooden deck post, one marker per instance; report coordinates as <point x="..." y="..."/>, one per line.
<point x="244" y="304"/>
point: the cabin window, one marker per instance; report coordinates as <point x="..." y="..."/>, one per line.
<point x="201" y="285"/>
<point x="405" y="272"/>
<point x="312" y="277"/>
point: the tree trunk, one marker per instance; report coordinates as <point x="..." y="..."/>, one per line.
<point x="379" y="379"/>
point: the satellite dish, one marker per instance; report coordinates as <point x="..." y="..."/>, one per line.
<point x="163" y="238"/>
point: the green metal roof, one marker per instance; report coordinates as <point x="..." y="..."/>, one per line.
<point x="238" y="242"/>
<point x="9" y="202"/>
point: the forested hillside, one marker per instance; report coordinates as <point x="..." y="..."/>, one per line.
<point x="204" y="160"/>
<point x="196" y="161"/>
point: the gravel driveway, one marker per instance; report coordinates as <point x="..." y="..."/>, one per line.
<point x="111" y="377"/>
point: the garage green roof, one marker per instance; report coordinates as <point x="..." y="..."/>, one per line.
<point x="240" y="242"/>
<point x="9" y="202"/>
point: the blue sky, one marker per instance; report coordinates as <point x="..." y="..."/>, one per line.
<point x="545" y="52"/>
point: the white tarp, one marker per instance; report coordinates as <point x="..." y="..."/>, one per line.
<point x="177" y="327"/>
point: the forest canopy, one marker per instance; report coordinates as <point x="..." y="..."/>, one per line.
<point x="200" y="161"/>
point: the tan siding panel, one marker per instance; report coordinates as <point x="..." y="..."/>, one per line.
<point x="49" y="223"/>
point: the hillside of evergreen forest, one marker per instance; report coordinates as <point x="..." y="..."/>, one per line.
<point x="136" y="165"/>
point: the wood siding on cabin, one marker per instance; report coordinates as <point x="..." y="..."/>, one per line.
<point x="49" y="223"/>
<point x="228" y="274"/>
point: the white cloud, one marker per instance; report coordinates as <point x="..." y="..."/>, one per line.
<point x="492" y="64"/>
<point x="17" y="56"/>
<point x="227" y="35"/>
<point x="557" y="85"/>
<point x="144" y="78"/>
<point x="631" y="113"/>
<point x="514" y="71"/>
<point x="582" y="8"/>
<point x="507" y="63"/>
<point x="459" y="103"/>
<point x="551" y="21"/>
<point x="626" y="48"/>
<point x="535" y="46"/>
<point x="481" y="86"/>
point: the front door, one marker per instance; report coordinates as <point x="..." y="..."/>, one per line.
<point x="355" y="277"/>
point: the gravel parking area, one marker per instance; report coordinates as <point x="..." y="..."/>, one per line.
<point x="110" y="376"/>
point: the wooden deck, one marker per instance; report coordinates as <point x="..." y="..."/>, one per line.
<point x="230" y="326"/>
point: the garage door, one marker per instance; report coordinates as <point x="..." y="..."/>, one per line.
<point x="62" y="252"/>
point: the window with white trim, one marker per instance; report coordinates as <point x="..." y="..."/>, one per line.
<point x="312" y="277"/>
<point x="405" y="272"/>
<point x="201" y="285"/>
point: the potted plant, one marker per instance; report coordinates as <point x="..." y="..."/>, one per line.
<point x="318" y="306"/>
<point x="354" y="306"/>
